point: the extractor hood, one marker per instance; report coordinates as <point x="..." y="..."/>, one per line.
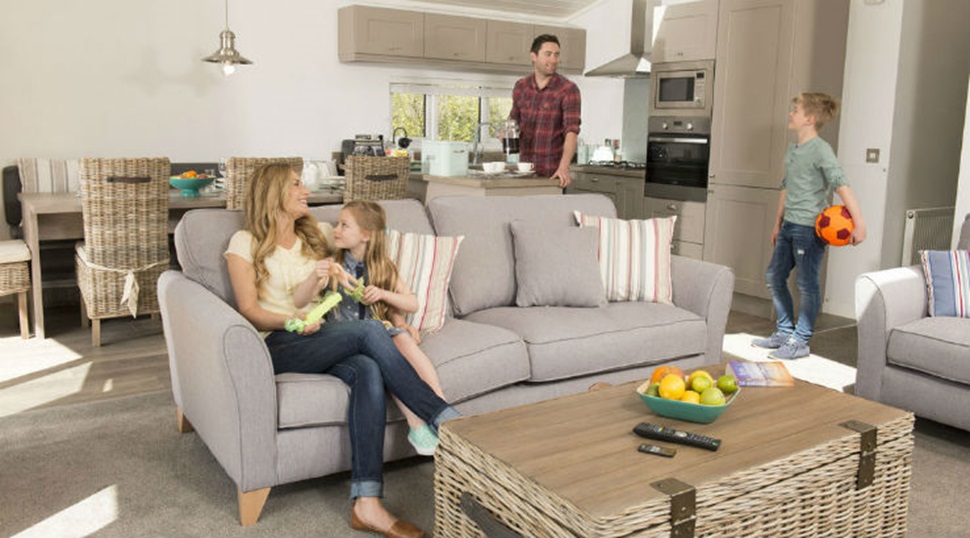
<point x="624" y="31"/>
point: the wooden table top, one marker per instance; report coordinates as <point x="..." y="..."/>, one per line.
<point x="582" y="447"/>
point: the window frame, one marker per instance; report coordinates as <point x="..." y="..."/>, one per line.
<point x="433" y="90"/>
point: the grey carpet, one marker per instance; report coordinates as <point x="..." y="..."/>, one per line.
<point x="166" y="484"/>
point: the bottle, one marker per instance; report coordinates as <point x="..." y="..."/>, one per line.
<point x="510" y="141"/>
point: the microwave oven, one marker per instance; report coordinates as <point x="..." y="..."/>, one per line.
<point x="682" y="88"/>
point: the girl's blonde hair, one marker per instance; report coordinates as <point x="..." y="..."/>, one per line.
<point x="266" y="194"/>
<point x="381" y="270"/>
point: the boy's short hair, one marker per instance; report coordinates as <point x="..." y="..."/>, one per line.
<point x="544" y="38"/>
<point x="822" y="106"/>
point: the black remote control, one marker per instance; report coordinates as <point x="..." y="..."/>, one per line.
<point x="647" y="448"/>
<point x="663" y="433"/>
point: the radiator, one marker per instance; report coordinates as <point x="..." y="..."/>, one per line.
<point x="926" y="229"/>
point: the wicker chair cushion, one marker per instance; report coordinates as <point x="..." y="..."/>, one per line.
<point x="14" y="251"/>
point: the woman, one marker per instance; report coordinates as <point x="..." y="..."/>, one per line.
<point x="274" y="258"/>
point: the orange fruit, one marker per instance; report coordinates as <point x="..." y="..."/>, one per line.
<point x="691" y="397"/>
<point x="672" y="387"/>
<point x="661" y="371"/>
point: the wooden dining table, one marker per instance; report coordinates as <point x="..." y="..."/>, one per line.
<point x="57" y="216"/>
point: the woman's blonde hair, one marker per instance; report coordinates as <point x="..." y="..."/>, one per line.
<point x="381" y="270"/>
<point x="266" y="194"/>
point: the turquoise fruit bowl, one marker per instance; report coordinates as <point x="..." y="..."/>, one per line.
<point x="691" y="412"/>
<point x="190" y="185"/>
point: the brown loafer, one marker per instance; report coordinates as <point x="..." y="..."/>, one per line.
<point x="400" y="528"/>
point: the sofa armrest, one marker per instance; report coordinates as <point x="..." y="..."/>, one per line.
<point x="884" y="300"/>
<point x="705" y="289"/>
<point x="222" y="379"/>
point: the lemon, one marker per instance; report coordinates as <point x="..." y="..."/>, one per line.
<point x="672" y="387"/>
<point x="691" y="397"/>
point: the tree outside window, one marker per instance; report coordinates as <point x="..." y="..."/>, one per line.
<point x="453" y="113"/>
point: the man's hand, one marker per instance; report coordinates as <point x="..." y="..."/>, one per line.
<point x="563" y="174"/>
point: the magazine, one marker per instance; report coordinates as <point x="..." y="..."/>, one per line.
<point x="762" y="374"/>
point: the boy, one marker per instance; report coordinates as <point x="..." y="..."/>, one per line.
<point x="811" y="173"/>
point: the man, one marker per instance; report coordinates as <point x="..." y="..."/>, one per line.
<point x="547" y="107"/>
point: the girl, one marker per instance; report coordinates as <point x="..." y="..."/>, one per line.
<point x="360" y="234"/>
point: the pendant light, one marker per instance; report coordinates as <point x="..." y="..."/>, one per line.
<point x="227" y="55"/>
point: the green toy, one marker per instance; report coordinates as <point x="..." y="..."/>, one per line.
<point x="357" y="293"/>
<point x="330" y="300"/>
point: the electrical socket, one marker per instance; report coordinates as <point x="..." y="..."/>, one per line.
<point x="872" y="155"/>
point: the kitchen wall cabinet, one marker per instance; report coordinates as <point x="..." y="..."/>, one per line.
<point x="763" y="59"/>
<point x="364" y="32"/>
<point x="572" y="44"/>
<point x="394" y="36"/>
<point x="626" y="192"/>
<point x="685" y="32"/>
<point x="448" y="37"/>
<point x="508" y="43"/>
<point x="688" y="230"/>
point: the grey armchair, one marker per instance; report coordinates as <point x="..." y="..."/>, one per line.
<point x="906" y="358"/>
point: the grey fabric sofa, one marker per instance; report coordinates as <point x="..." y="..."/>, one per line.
<point x="267" y="430"/>
<point x="906" y="358"/>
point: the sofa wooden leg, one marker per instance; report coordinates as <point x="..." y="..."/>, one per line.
<point x="184" y="426"/>
<point x="251" y="505"/>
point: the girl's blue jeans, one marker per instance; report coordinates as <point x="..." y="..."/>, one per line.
<point x="362" y="355"/>
<point x="797" y="247"/>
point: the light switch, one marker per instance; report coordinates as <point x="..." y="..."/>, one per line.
<point x="872" y="155"/>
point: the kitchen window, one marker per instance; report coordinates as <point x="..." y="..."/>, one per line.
<point x="449" y="112"/>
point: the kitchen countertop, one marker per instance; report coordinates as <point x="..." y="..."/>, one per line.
<point x="492" y="183"/>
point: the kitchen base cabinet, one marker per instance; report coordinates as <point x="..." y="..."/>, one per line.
<point x="689" y="228"/>
<point x="626" y="192"/>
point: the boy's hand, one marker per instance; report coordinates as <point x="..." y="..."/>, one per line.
<point x="859" y="233"/>
<point x="774" y="234"/>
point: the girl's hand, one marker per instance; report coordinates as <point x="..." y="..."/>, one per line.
<point x="415" y="334"/>
<point x="373" y="294"/>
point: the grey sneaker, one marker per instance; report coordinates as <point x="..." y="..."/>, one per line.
<point x="423" y="440"/>
<point x="792" y="349"/>
<point x="775" y="341"/>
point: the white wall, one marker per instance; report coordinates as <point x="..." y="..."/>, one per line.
<point x="77" y="82"/>
<point x="963" y="189"/>
<point x="906" y="71"/>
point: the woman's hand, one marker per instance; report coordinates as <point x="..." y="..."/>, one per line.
<point x="413" y="331"/>
<point x="310" y="328"/>
<point x="373" y="294"/>
<point x="322" y="271"/>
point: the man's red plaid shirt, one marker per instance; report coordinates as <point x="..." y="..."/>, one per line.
<point x="544" y="117"/>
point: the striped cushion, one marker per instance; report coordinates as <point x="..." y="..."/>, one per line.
<point x="634" y="257"/>
<point x="49" y="175"/>
<point x="424" y="263"/>
<point x="948" y="282"/>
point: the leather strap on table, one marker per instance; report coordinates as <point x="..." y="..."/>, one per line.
<point x="683" y="506"/>
<point x="867" y="451"/>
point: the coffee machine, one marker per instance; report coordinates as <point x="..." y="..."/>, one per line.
<point x="510" y="141"/>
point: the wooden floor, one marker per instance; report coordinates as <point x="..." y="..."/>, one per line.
<point x="65" y="369"/>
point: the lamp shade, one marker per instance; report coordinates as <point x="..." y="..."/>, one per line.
<point x="227" y="53"/>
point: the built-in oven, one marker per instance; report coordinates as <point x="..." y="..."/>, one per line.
<point x="678" y="155"/>
<point x="682" y="88"/>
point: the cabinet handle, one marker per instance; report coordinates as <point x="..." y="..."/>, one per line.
<point x="594" y="179"/>
<point x="711" y="176"/>
<point x="672" y="207"/>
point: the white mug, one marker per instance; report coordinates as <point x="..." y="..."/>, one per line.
<point x="526" y="167"/>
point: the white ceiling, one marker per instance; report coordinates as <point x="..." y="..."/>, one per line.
<point x="553" y="9"/>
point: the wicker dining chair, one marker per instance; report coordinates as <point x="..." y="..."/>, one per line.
<point x="376" y="178"/>
<point x="125" y="207"/>
<point x="15" y="277"/>
<point x="238" y="170"/>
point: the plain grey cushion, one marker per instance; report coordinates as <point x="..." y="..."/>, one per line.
<point x="484" y="273"/>
<point x="939" y="346"/>
<point x="556" y="266"/>
<point x="566" y="342"/>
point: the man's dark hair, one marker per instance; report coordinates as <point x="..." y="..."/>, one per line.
<point x="544" y="38"/>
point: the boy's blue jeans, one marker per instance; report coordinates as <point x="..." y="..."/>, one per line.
<point x="797" y="247"/>
<point x="362" y="355"/>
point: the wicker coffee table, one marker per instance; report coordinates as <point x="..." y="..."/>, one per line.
<point x="801" y="461"/>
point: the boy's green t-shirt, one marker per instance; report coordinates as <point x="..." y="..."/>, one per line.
<point x="811" y="174"/>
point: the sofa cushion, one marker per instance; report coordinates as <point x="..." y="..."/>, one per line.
<point x="484" y="274"/>
<point x="471" y="359"/>
<point x="567" y="342"/>
<point x="556" y="266"/>
<point x="634" y="257"/>
<point x="424" y="262"/>
<point x="203" y="234"/>
<point x="937" y="346"/>
<point x="947" y="275"/>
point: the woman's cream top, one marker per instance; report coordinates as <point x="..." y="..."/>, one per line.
<point x="287" y="268"/>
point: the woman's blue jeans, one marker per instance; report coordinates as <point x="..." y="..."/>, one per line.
<point x="362" y="355"/>
<point x="797" y="247"/>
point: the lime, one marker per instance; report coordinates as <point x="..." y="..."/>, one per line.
<point x="700" y="383"/>
<point x="727" y="383"/>
<point x="712" y="396"/>
<point x="653" y="389"/>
